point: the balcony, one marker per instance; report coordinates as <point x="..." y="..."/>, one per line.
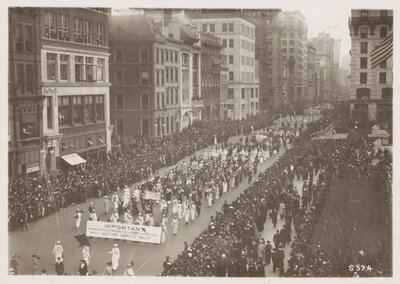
<point x="197" y="102"/>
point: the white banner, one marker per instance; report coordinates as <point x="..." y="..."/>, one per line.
<point x="145" y="234"/>
<point x="152" y="195"/>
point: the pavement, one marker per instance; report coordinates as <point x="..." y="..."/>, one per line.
<point x="147" y="258"/>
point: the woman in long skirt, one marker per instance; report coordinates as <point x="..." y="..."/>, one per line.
<point x="175" y="225"/>
<point x="86" y="254"/>
<point x="224" y="186"/>
<point x="115" y="254"/>
<point x="192" y="211"/>
<point x="179" y="209"/>
<point x="209" y="199"/>
<point x="164" y="233"/>
<point x="78" y="218"/>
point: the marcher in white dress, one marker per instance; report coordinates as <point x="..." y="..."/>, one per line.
<point x="114" y="217"/>
<point x="186" y="215"/>
<point x="209" y="199"/>
<point x="86" y="254"/>
<point x="128" y="217"/>
<point x="115" y="254"/>
<point x="192" y="211"/>
<point x="179" y="210"/>
<point x="164" y="233"/>
<point x="78" y="218"/>
<point x="175" y="225"/>
<point x="224" y="186"/>
<point x="58" y="250"/>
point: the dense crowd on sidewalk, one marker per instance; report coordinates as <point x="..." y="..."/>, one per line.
<point x="127" y="163"/>
<point x="231" y="245"/>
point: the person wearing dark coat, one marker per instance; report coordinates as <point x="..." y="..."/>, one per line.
<point x="242" y="267"/>
<point x="232" y="268"/>
<point x="83" y="269"/>
<point x="280" y="260"/>
<point x="260" y="269"/>
<point x="222" y="267"/>
<point x="277" y="239"/>
<point x="274" y="257"/>
<point x="274" y="217"/>
<point x="268" y="252"/>
<point x="59" y="266"/>
<point x="252" y="270"/>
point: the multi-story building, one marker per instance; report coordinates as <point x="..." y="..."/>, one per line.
<point x="236" y="31"/>
<point x="327" y="59"/>
<point x="295" y="48"/>
<point x="74" y="75"/>
<point x="312" y="76"/>
<point x="25" y="129"/>
<point x="371" y="90"/>
<point x="59" y="87"/>
<point x="269" y="54"/>
<point x="155" y="70"/>
<point x="211" y="61"/>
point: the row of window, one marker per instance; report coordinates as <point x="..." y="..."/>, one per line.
<point x="77" y="110"/>
<point x="224" y="42"/>
<point x="120" y="78"/>
<point x="291" y="42"/>
<point x="247" y="76"/>
<point x="57" y="26"/>
<point x="166" y="55"/>
<point x="169" y="75"/>
<point x="86" y="68"/>
<point x="253" y="93"/>
<point x="364" y="63"/>
<point x="247" y="45"/>
<point x="365" y="93"/>
<point x="245" y="60"/>
<point x="118" y="101"/>
<point x="364" y="80"/>
<point x="86" y="141"/>
<point x="169" y="98"/>
<point x="383" y="31"/>
<point x="290" y="35"/>
<point x="382" y="13"/>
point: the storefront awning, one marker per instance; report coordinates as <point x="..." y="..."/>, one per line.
<point x="73" y="159"/>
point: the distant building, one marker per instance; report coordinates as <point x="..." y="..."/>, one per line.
<point x="312" y="95"/>
<point x="211" y="67"/>
<point x="60" y="88"/>
<point x="371" y="90"/>
<point x="295" y="48"/>
<point x="236" y="31"/>
<point x="155" y="70"/>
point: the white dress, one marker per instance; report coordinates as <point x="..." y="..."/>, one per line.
<point x="175" y="225"/>
<point x="78" y="219"/>
<point x="86" y="255"/>
<point x="164" y="233"/>
<point x="57" y="251"/>
<point x="192" y="211"/>
<point x="224" y="187"/>
<point x="115" y="258"/>
<point x="179" y="210"/>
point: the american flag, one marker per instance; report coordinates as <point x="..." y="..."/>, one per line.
<point x="382" y="52"/>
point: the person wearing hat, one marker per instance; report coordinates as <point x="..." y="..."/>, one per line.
<point x="83" y="269"/>
<point x="167" y="264"/>
<point x="175" y="224"/>
<point x="35" y="265"/>
<point x="128" y="217"/>
<point x="57" y="250"/>
<point x="268" y="252"/>
<point x="59" y="266"/>
<point x="277" y="239"/>
<point x="106" y="201"/>
<point x="115" y="254"/>
<point x="108" y="269"/>
<point x="280" y="260"/>
<point x="115" y="199"/>
<point x="179" y="210"/>
<point x="129" y="269"/>
<point x="86" y="254"/>
<point x="78" y="218"/>
<point x="139" y="220"/>
<point x="114" y="217"/>
<point x="92" y="212"/>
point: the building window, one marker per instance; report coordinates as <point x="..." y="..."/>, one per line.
<point x="64" y="60"/>
<point x="291" y="42"/>
<point x="231" y="59"/>
<point x="144" y="78"/>
<point x="363" y="78"/>
<point x="252" y="93"/>
<point x="18" y="38"/>
<point x="383" y="64"/>
<point x="51" y="66"/>
<point x="99" y="108"/>
<point x="243" y="60"/>
<point x="176" y="75"/>
<point x="78" y="30"/>
<point x="20" y="78"/>
<point x="63" y="27"/>
<point x="224" y="27"/>
<point x="118" y="56"/>
<point x="204" y="28"/>
<point x="230" y="93"/>
<point x="145" y="101"/>
<point x="382" y="78"/>
<point x="231" y="42"/>
<point x="212" y="28"/>
<point x="230" y="27"/>
<point x="100" y="36"/>
<point x="157" y="55"/>
<point x="256" y="92"/>
<point x="28" y="37"/>
<point x="77" y="109"/>
<point x="158" y="101"/>
<point x="119" y="78"/>
<point x="363" y="63"/>
<point x="88" y="32"/>
<point x="166" y="74"/>
<point x="291" y="35"/>
<point x="50" y="25"/>
<point x="64" y="111"/>
<point x="145" y="127"/>
<point x="364" y="13"/>
<point x="167" y="55"/>
<point x="243" y="93"/>
<point x="100" y="69"/>
<point x="120" y="127"/>
<point x="177" y="96"/>
<point x="144" y="55"/>
<point x="120" y="101"/>
<point x="383" y="13"/>
<point x="387" y="93"/>
<point x="162" y="78"/>
<point x="89" y="109"/>
<point x="383" y="32"/>
<point x="231" y="78"/>
<point x="291" y="50"/>
<point x="363" y="93"/>
<point x="364" y="32"/>
<point x="224" y="42"/>
<point x="363" y="47"/>
<point x="90" y="69"/>
<point x="29" y="78"/>
<point x="49" y="106"/>
<point x="162" y="55"/>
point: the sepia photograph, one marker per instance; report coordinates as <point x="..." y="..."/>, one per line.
<point x="199" y="142"/>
